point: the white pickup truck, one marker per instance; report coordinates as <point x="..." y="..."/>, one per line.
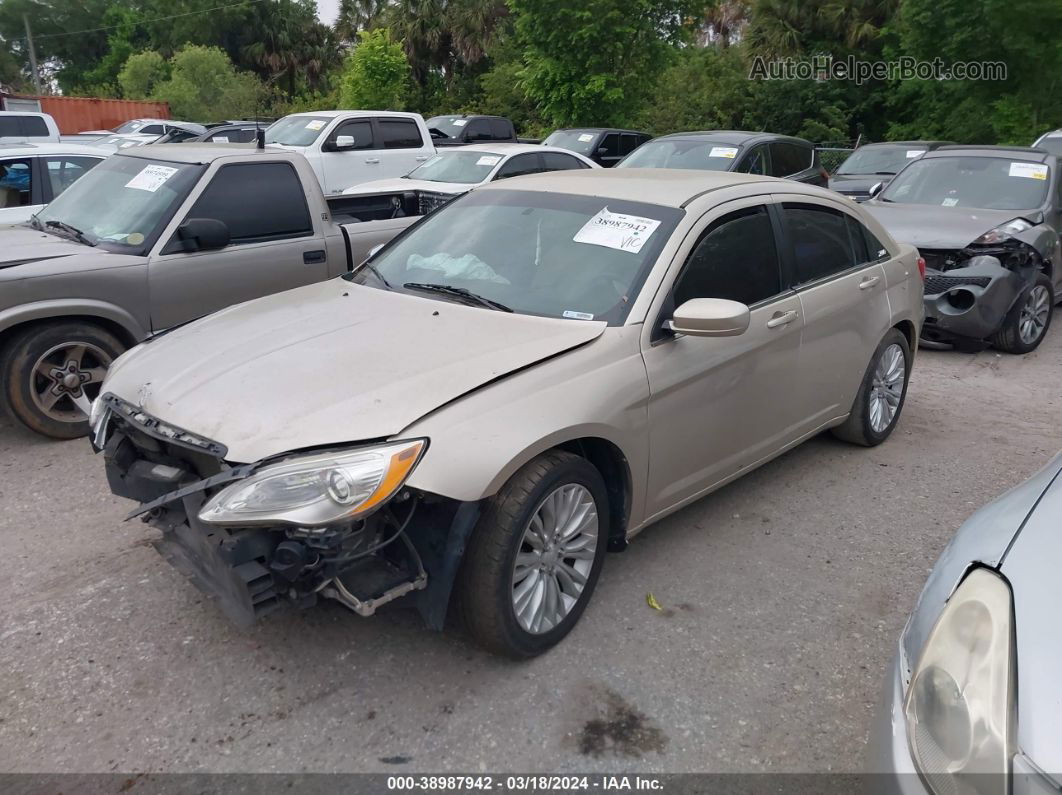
<point x="348" y="147"/>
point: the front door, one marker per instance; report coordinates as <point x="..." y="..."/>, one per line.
<point x="354" y="162"/>
<point x="274" y="245"/>
<point x="719" y="405"/>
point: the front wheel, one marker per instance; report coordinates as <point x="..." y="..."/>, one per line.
<point x="51" y="373"/>
<point x="1026" y="324"/>
<point x="881" y="395"/>
<point x="535" y="556"/>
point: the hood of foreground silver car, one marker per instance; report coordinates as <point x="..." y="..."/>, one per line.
<point x="22" y="244"/>
<point x="930" y="226"/>
<point x="1032" y="567"/>
<point x="330" y="363"/>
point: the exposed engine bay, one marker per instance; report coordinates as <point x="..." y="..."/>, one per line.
<point x="384" y="206"/>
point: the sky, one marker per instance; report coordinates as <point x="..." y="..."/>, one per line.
<point x="327" y="10"/>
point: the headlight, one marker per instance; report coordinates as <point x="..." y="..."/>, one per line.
<point x="960" y="704"/>
<point x="1003" y="232"/>
<point x="315" y="490"/>
<point x="96" y="413"/>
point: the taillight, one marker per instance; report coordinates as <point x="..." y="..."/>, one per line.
<point x="922" y="268"/>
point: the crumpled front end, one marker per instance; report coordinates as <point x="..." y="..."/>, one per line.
<point x="252" y="571"/>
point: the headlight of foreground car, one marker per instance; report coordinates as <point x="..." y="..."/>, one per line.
<point x="960" y="705"/>
<point x="316" y="490"/>
<point x="1003" y="232"/>
<point x="96" y="413"/>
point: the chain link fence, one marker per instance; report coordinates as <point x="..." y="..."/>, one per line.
<point x="833" y="153"/>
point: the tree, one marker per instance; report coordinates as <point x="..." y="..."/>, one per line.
<point x="593" y="62"/>
<point x="376" y="75"/>
<point x="142" y="73"/>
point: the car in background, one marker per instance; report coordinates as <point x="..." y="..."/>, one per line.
<point x="871" y="164"/>
<point x="474" y="409"/>
<point x="455" y="171"/>
<point x="146" y="131"/>
<point x="26" y="127"/>
<point x="728" y="150"/>
<point x="31" y="175"/>
<point x="241" y="132"/>
<point x="460" y="129"/>
<point x="605" y="146"/>
<point x="1050" y="142"/>
<point x="349" y="147"/>
<point x="972" y="697"/>
<point x="987" y="221"/>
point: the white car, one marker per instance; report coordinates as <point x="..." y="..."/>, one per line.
<point x="32" y="175"/>
<point x="148" y="131"/>
<point x="455" y="171"/>
<point x="18" y="126"/>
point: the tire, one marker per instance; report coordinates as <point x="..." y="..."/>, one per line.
<point x="486" y="590"/>
<point x="49" y="345"/>
<point x="860" y="428"/>
<point x="1009" y="337"/>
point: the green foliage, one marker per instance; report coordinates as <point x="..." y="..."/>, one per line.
<point x="376" y="74"/>
<point x="141" y="73"/>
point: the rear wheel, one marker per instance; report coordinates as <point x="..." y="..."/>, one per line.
<point x="1026" y="324"/>
<point x="52" y="373"/>
<point x="880" y="399"/>
<point x="535" y="556"/>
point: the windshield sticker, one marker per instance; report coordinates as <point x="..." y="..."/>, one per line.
<point x="151" y="178"/>
<point x="585" y="138"/>
<point x="488" y="160"/>
<point x="915" y="153"/>
<point x="1028" y="170"/>
<point x="729" y="152"/>
<point x="460" y="122"/>
<point x="577" y="315"/>
<point x="134" y="238"/>
<point x="314" y="124"/>
<point x="618" y="231"/>
<point x="221" y="139"/>
<point x="950" y="202"/>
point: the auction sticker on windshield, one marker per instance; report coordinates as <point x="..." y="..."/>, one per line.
<point x="616" y="230"/>
<point x="488" y="160"/>
<point x="151" y="178"/>
<point x="585" y="138"/>
<point x="729" y="152"/>
<point x="1028" y="170"/>
<point x="314" y="124"/>
<point x="914" y="153"/>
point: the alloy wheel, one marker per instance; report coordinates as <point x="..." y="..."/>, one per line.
<point x="886" y="389"/>
<point x="1033" y="318"/>
<point x="67" y="378"/>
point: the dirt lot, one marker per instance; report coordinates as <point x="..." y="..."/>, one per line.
<point x="783" y="595"/>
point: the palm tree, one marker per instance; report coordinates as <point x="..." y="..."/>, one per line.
<point x="723" y="22"/>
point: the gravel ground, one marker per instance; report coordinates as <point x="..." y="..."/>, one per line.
<point x="783" y="596"/>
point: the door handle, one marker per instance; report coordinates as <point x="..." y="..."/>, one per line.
<point x="782" y="319"/>
<point x="372" y="160"/>
<point x="313" y="257"/>
<point x="869" y="282"/>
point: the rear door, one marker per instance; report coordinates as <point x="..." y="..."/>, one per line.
<point x="718" y="405"/>
<point x="842" y="291"/>
<point x="401" y="146"/>
<point x="276" y="245"/>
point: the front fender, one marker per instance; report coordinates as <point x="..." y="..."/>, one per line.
<point x="72" y="307"/>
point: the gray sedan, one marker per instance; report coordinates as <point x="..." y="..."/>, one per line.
<point x="973" y="697"/>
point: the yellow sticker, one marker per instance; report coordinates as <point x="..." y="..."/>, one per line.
<point x="134" y="239"/>
<point x="1028" y="170"/>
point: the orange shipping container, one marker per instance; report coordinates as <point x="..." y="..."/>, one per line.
<point x="80" y="114"/>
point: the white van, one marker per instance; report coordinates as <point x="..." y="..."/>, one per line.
<point x="20" y="127"/>
<point x="349" y="147"/>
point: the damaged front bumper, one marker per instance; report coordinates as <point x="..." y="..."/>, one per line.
<point x="969" y="299"/>
<point x="411" y="546"/>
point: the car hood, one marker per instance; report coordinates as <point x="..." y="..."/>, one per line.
<point x="857" y="183"/>
<point x="403" y="184"/>
<point x="1031" y="566"/>
<point x="329" y="363"/>
<point x="930" y="226"/>
<point x="21" y="245"/>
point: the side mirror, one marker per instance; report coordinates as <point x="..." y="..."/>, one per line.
<point x="876" y="188"/>
<point x="339" y="143"/>
<point x="203" y="234"/>
<point x="710" y="317"/>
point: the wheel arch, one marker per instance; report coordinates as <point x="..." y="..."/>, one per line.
<point x="107" y="316"/>
<point x="907" y="328"/>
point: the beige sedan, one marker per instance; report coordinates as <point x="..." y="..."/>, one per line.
<point x="524" y="379"/>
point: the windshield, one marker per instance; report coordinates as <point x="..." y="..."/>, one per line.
<point x="883" y="159"/>
<point x="123" y="201"/>
<point x="1051" y="143"/>
<point x="547" y="254"/>
<point x="682" y="153"/>
<point x="448" y="126"/>
<point x="467" y="168"/>
<point x="986" y="183"/>
<point x="581" y="141"/>
<point x="296" y="130"/>
<point x="129" y="126"/>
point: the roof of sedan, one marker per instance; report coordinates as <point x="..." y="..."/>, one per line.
<point x="195" y="152"/>
<point x="665" y="186"/>
<point x="737" y="137"/>
<point x="984" y="150"/>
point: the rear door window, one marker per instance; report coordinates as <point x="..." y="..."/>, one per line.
<point x="755" y="162"/>
<point x="258" y="202"/>
<point x="518" y="165"/>
<point x="788" y="159"/>
<point x="628" y="143"/>
<point x="555" y="161"/>
<point x="399" y="134"/>
<point x="10" y="127"/>
<point x="501" y="129"/>
<point x="478" y="130"/>
<point x="820" y="240"/>
<point x="34" y="126"/>
<point x="611" y="144"/>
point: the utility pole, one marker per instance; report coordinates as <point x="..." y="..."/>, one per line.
<point x="33" y="56"/>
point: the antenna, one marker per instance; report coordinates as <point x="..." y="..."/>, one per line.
<point x="259" y="133"/>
